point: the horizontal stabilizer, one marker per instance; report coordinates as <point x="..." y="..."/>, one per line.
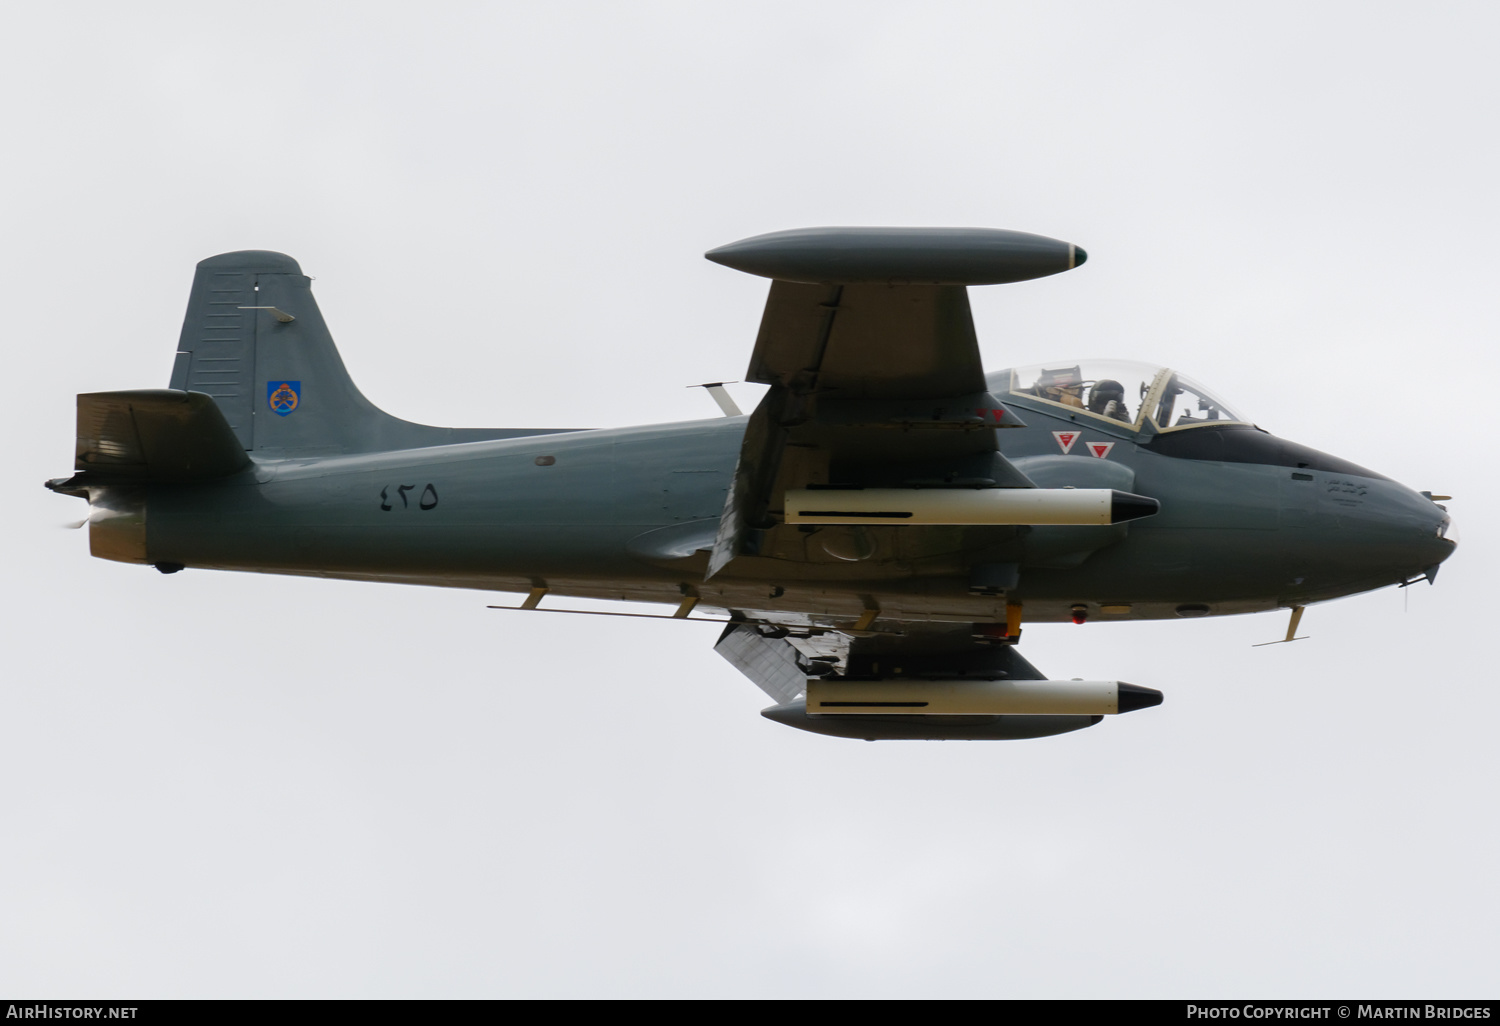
<point x="156" y="435"/>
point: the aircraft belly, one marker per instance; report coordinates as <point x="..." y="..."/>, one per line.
<point x="1190" y="565"/>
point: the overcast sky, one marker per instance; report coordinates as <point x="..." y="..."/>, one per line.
<point x="235" y="785"/>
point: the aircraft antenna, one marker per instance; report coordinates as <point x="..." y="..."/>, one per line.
<point x="716" y="389"/>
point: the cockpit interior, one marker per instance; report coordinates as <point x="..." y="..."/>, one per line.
<point x="1123" y="391"/>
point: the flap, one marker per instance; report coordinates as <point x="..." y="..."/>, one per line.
<point x="780" y="662"/>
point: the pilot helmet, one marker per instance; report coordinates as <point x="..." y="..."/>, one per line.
<point x="1103" y="392"/>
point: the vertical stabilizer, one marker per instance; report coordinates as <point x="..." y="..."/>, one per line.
<point x="216" y="352"/>
<point x="254" y="340"/>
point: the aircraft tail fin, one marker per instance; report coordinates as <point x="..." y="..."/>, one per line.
<point x="255" y="342"/>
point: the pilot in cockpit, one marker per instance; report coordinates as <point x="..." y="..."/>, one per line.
<point x="1107" y="398"/>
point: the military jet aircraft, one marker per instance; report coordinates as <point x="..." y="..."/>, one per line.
<point x="873" y="536"/>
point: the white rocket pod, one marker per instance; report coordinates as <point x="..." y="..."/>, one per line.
<point x="977" y="697"/>
<point x="965" y="506"/>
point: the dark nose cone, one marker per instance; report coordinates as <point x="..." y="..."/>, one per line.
<point x="1447" y="532"/>
<point x="1133" y="697"/>
<point x="1433" y="543"/>
<point x="790" y="713"/>
<point x="1080" y="256"/>
<point x="1125" y="506"/>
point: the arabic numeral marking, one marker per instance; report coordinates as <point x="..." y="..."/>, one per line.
<point x="427" y="500"/>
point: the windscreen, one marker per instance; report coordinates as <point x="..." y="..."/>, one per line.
<point x="1185" y="403"/>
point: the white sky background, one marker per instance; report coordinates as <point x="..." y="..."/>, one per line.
<point x="233" y="785"/>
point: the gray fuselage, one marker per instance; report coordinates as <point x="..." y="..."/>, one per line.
<point x="628" y="514"/>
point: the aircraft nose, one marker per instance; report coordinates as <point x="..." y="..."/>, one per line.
<point x="1409" y="534"/>
<point x="1434" y="540"/>
<point x="1446" y="534"/>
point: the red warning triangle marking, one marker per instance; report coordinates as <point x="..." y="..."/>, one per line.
<point x="1065" y="439"/>
<point x="1100" y="449"/>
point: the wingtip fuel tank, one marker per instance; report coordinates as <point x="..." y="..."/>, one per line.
<point x="946" y="256"/>
<point x="927" y="728"/>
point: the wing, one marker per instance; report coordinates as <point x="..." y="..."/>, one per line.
<point x="868" y="344"/>
<point x="868" y="341"/>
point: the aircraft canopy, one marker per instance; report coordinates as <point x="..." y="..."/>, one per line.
<point x="1121" y="390"/>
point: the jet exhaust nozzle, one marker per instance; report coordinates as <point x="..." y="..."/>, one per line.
<point x="117" y="523"/>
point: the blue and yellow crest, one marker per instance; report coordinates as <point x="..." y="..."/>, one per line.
<point x="283" y="396"/>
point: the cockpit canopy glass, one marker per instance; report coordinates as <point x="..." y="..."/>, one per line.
<point x="1182" y="402"/>
<point x="1123" y="391"/>
<point x="1112" y="389"/>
